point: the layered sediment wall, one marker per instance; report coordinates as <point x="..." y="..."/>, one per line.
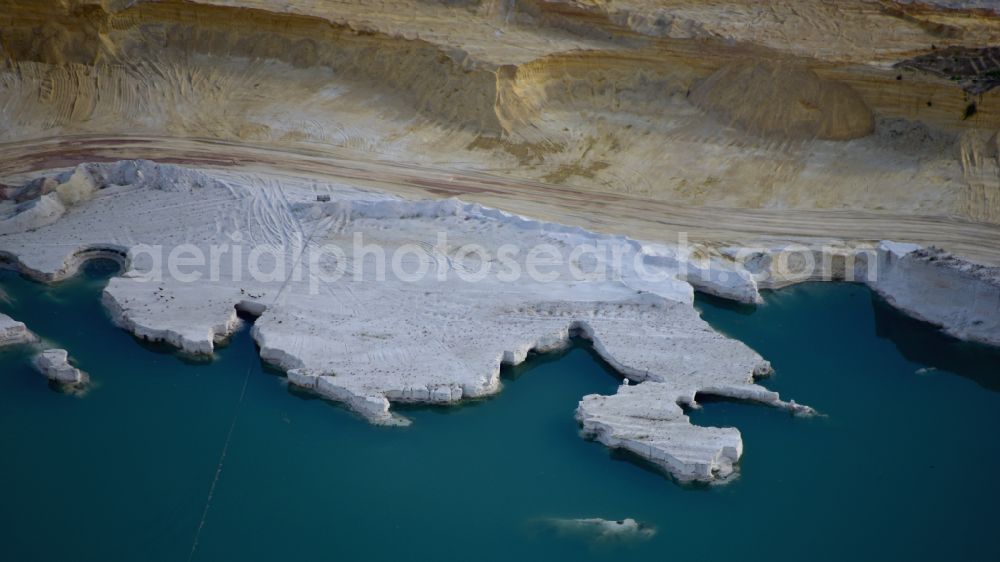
<point x="458" y="81"/>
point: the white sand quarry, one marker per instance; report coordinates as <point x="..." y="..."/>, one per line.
<point x="742" y="125"/>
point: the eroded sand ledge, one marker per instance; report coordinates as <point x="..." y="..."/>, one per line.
<point x="439" y="339"/>
<point x="959" y="297"/>
<point x="369" y="343"/>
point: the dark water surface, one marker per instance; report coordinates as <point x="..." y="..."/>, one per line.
<point x="902" y="467"/>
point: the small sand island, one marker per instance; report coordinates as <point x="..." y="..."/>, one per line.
<point x="398" y="200"/>
<point x="13" y="332"/>
<point x="54" y="365"/>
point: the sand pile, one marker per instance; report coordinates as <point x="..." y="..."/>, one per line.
<point x="784" y="99"/>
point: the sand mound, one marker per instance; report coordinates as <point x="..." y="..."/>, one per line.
<point x="779" y="99"/>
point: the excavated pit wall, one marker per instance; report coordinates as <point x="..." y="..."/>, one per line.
<point x="444" y="81"/>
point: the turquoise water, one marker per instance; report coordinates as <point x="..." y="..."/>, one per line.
<point x="902" y="467"/>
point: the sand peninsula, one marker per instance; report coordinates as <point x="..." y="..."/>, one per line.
<point x="357" y="176"/>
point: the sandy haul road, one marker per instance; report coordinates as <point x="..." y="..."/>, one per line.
<point x="641" y="218"/>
